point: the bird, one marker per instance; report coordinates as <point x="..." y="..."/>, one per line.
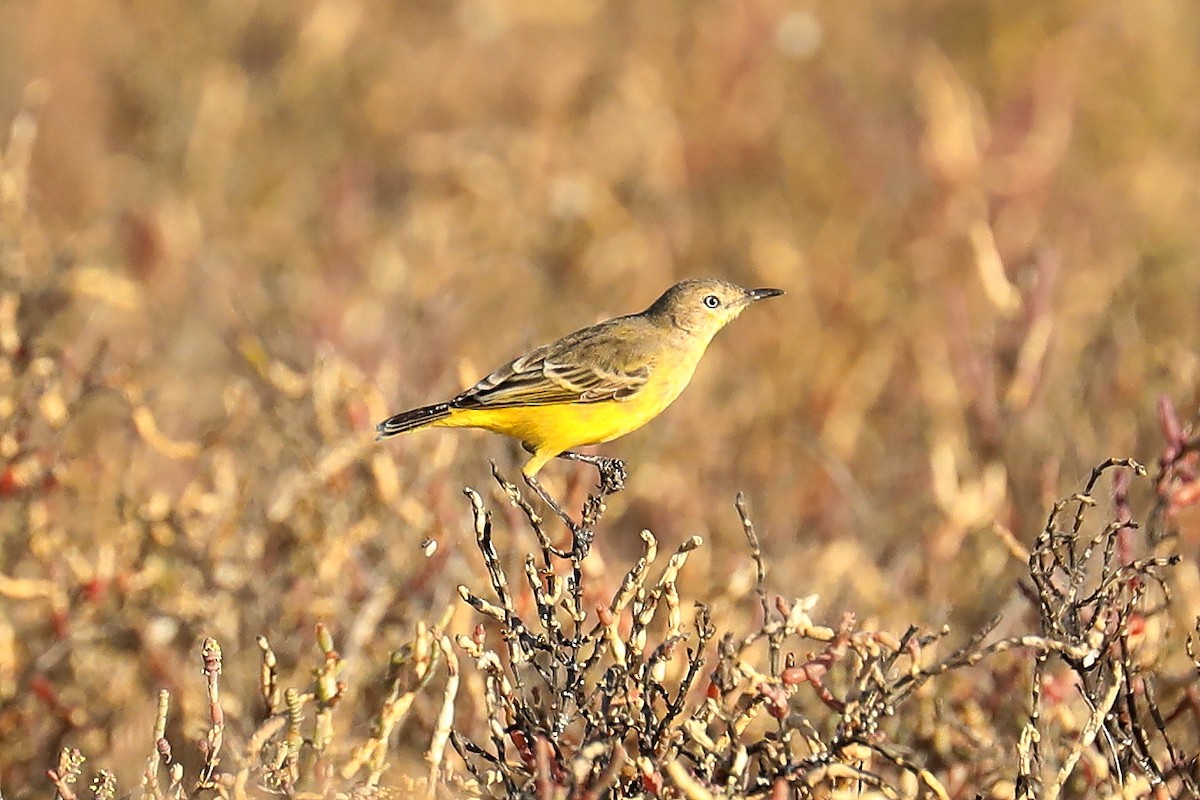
<point x="594" y="385"/>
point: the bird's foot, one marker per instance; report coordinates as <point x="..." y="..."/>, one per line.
<point x="611" y="470"/>
<point x="612" y="475"/>
<point x="581" y="542"/>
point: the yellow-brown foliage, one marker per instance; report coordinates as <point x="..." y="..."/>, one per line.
<point x="235" y="235"/>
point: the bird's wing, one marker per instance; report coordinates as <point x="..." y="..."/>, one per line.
<point x="588" y="366"/>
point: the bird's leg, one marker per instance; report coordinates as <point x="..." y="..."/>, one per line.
<point x="612" y="470"/>
<point x="541" y="492"/>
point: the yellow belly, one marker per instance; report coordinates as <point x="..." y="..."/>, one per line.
<point x="553" y="429"/>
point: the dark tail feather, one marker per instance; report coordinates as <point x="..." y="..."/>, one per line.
<point x="411" y="420"/>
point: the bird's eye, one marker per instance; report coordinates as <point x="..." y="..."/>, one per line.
<point x="712" y="301"/>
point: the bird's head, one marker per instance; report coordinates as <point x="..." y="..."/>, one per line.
<point x="705" y="305"/>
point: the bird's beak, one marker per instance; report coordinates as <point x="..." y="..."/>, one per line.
<point x="763" y="294"/>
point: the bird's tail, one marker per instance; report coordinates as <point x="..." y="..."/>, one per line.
<point x="411" y="420"/>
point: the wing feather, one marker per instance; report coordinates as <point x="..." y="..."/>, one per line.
<point x="590" y="366"/>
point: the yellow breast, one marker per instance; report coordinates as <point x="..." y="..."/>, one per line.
<point x="553" y="429"/>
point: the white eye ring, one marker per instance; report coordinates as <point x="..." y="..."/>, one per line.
<point x="712" y="301"/>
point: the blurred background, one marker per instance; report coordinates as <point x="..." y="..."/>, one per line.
<point x="237" y="234"/>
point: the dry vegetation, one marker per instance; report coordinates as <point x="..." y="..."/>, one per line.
<point x="235" y="235"/>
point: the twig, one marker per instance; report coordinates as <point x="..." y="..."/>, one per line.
<point x="211" y="654"/>
<point x="150" y="776"/>
<point x="1093" y="727"/>
<point x="445" y="720"/>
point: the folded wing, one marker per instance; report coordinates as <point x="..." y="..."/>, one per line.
<point x="593" y="365"/>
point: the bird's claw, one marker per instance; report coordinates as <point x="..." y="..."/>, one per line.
<point x="612" y="475"/>
<point x="581" y="542"/>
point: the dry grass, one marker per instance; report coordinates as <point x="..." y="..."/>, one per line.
<point x="232" y="237"/>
